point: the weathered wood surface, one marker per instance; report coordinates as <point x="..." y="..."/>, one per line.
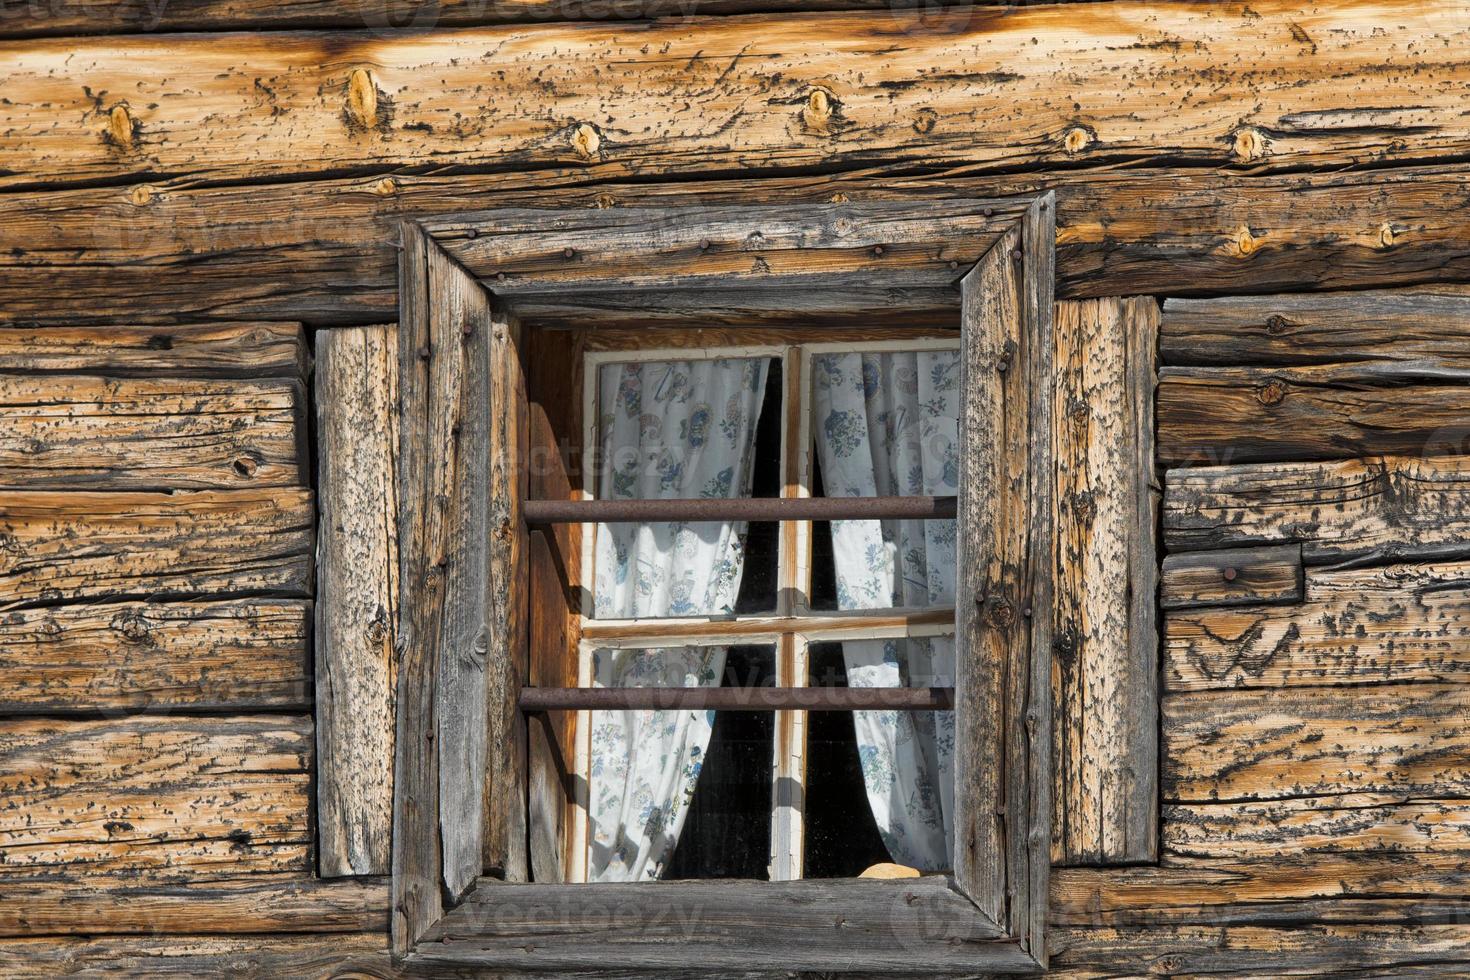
<point x="1007" y="477"/>
<point x="912" y="245"/>
<point x="1423" y="329"/>
<point x="261" y="350"/>
<point x="500" y="771"/>
<point x="1105" y="663"/>
<point x="1315" y="825"/>
<point x="1289" y="891"/>
<point x="357" y="597"/>
<point x="1386" y="508"/>
<point x="57" y="546"/>
<point x="268" y="957"/>
<point x="650" y="97"/>
<point x="1246" y="952"/>
<point x="423" y="454"/>
<point x="61" y="432"/>
<point x="173" y="797"/>
<point x="856" y="924"/>
<point x="1232" y="577"/>
<point x="94" y="904"/>
<point x="1240" y="745"/>
<point x="322" y="249"/>
<point x="1212" y="416"/>
<point x="239" y="655"/>
<point x="1390" y="624"/>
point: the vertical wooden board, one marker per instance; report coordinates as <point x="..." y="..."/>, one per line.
<point x="503" y="779"/>
<point x="357" y="597"/>
<point x="170" y="797"/>
<point x="243" y="655"/>
<point x="992" y="517"/>
<point x="417" y="861"/>
<point x="97" y="433"/>
<point x="57" y="545"/>
<point x="245" y="350"/>
<point x="1105" y="652"/>
<point x="548" y="734"/>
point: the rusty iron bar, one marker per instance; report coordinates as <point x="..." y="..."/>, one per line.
<point x="738" y="509"/>
<point x="533" y="699"/>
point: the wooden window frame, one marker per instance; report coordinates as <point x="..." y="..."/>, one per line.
<point x="460" y="775"/>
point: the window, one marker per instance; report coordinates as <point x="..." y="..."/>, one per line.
<point x="477" y="293"/>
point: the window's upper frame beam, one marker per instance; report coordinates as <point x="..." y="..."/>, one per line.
<point x="990" y="917"/>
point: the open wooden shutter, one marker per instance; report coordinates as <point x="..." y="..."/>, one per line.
<point x="460" y="626"/>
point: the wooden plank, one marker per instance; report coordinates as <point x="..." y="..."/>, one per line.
<point x="1314" y="825"/>
<point x="1410" y="329"/>
<point x="1244" y="951"/>
<point x="1211" y="416"/>
<point x="1291" y="890"/>
<point x="502" y="770"/>
<point x="58" y="546"/>
<point x="1389" y="625"/>
<point x="857" y="924"/>
<point x="1228" y="745"/>
<point x="1232" y="577"/>
<point x="992" y="516"/>
<point x="61" y="432"/>
<point x="94" y="905"/>
<point x="1384" y="508"/>
<point x="260" y="350"/>
<point x="322" y="248"/>
<point x="173" y="797"/>
<point x="537" y="251"/>
<point x="241" y="655"/>
<point x="650" y="99"/>
<point x="1105" y="743"/>
<point x="357" y="597"/>
<point x="186" y="956"/>
<point x="422" y="452"/>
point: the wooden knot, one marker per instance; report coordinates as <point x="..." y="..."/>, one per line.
<point x="818" y="110"/>
<point x="924" y="121"/>
<point x="586" y="140"/>
<point x="377" y="631"/>
<point x="362" y="100"/>
<point x="121" y="129"/>
<point x="134" y="628"/>
<point x="1271" y="393"/>
<point x="245" y="466"/>
<point x="1386" y="235"/>
<point x="49" y="629"/>
<point x="838" y="198"/>
<point x="142" y="195"/>
<point x="997" y="612"/>
<point x="1245" y="242"/>
<point x="1249" y="144"/>
<point x="1277" y="324"/>
<point x="386" y="187"/>
<point x="1078" y="138"/>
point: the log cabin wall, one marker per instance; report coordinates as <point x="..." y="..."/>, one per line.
<point x="198" y="195"/>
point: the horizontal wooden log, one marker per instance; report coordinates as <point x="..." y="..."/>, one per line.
<point x="1387" y="625"/>
<point x="1286" y="891"/>
<point x="648" y="98"/>
<point x="1408" y="330"/>
<point x="179" y="797"/>
<point x="1232" y="577"/>
<point x="262" y="350"/>
<point x="95" y="905"/>
<point x="58" y="546"/>
<point x="1303" y="828"/>
<point x="322" y="249"/>
<point x="132" y="656"/>
<point x="268" y="957"/>
<point x="1248" y="952"/>
<point x="1384" y="508"/>
<point x="1242" y="745"/>
<point x="1211" y="416"/>
<point x="62" y="432"/>
<point x="880" y="926"/>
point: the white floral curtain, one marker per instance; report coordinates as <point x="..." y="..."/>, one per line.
<point x="887" y="425"/>
<point x="670" y="429"/>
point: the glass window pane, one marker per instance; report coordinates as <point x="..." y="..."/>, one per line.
<point x="885" y="424"/>
<point x="680" y="794"/>
<point x="685" y="429"/>
<point x="888" y="771"/>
